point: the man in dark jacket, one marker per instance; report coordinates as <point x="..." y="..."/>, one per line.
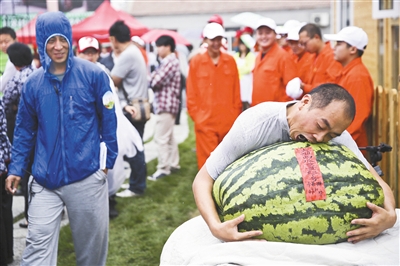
<point x="66" y="114"/>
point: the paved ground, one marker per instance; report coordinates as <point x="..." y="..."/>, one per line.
<point x="181" y="133"/>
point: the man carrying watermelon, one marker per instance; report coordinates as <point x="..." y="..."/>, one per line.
<point x="320" y="116"/>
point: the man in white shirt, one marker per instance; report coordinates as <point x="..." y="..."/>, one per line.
<point x="320" y="116"/>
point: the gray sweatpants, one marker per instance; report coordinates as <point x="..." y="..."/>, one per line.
<point x="87" y="205"/>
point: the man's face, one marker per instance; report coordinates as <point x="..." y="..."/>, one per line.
<point x="316" y="124"/>
<point x="57" y="49"/>
<point x="214" y="45"/>
<point x="114" y="45"/>
<point x="90" y="54"/>
<point x="342" y="52"/>
<point x="5" y="41"/>
<point x="308" y="43"/>
<point x="266" y="37"/>
<point x="296" y="48"/>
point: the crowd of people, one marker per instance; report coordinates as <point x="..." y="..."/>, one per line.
<point x="70" y="121"/>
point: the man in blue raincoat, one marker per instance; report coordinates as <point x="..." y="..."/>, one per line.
<point x="66" y="114"/>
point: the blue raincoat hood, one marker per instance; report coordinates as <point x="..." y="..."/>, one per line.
<point x="48" y="25"/>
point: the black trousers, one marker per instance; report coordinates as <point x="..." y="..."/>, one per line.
<point x="6" y="224"/>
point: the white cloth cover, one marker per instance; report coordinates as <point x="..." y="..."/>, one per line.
<point x="293" y="89"/>
<point x="193" y="244"/>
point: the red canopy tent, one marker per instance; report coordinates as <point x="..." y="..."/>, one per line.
<point x="27" y="34"/>
<point x="100" y="22"/>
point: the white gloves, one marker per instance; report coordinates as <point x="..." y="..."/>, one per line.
<point x="293" y="89"/>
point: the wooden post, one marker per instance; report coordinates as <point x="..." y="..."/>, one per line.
<point x="387" y="59"/>
<point x="385" y="133"/>
<point x="398" y="148"/>
<point x="393" y="141"/>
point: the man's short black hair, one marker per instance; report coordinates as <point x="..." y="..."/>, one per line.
<point x="120" y="31"/>
<point x="9" y="31"/>
<point x="326" y="93"/>
<point x="166" y="40"/>
<point x="20" y="54"/>
<point x="311" y="30"/>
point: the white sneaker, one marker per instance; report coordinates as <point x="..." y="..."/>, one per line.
<point x="127" y="194"/>
<point x="125" y="186"/>
<point x="157" y="175"/>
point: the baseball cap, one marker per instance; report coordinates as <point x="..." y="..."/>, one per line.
<point x="290" y="24"/>
<point x="216" y="19"/>
<point x="88" y="42"/>
<point x="212" y="30"/>
<point x="268" y="22"/>
<point x="138" y="40"/>
<point x="352" y="35"/>
<point x="293" y="34"/>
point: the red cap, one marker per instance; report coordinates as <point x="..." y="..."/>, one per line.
<point x="238" y="33"/>
<point x="248" y="30"/>
<point x="216" y="19"/>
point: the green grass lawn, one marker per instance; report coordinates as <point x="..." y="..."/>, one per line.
<point x="144" y="224"/>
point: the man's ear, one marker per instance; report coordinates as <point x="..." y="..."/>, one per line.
<point x="306" y="100"/>
<point x="353" y="50"/>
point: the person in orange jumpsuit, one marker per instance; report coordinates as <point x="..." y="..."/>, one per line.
<point x="140" y="44"/>
<point x="274" y="67"/>
<point x="324" y="68"/>
<point x="301" y="57"/>
<point x="354" y="77"/>
<point x="283" y="31"/>
<point x="213" y="93"/>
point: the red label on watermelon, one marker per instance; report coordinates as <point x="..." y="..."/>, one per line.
<point x="312" y="177"/>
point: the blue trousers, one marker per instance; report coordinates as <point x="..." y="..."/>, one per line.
<point x="137" y="179"/>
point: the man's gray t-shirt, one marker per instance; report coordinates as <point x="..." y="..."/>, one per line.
<point x="131" y="68"/>
<point x="257" y="127"/>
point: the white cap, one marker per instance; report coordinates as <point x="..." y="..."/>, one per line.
<point x="138" y="40"/>
<point x="293" y="34"/>
<point x="354" y="36"/>
<point x="268" y="22"/>
<point x="88" y="42"/>
<point x="212" y="30"/>
<point x="289" y="25"/>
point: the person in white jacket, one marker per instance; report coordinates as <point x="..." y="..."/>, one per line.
<point x="130" y="145"/>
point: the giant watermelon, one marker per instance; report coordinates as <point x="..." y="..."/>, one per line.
<point x="267" y="186"/>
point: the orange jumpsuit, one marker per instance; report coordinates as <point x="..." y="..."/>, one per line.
<point x="143" y="51"/>
<point x="325" y="69"/>
<point x="213" y="100"/>
<point x="303" y="66"/>
<point x="271" y="75"/>
<point x="356" y="79"/>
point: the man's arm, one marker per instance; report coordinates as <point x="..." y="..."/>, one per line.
<point x="382" y="218"/>
<point x="226" y="231"/>
<point x="117" y="81"/>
